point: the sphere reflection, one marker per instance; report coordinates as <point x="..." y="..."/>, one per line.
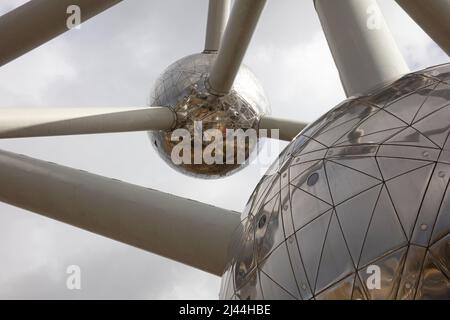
<point x="182" y="87"/>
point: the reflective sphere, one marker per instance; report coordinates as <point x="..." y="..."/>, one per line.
<point x="361" y="193"/>
<point x="182" y="88"/>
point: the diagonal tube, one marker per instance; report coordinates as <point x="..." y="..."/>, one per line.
<point x="218" y="13"/>
<point x="38" y="21"/>
<point x="433" y="16"/>
<point x="41" y="122"/>
<point x="239" y="31"/>
<point x="186" y="231"/>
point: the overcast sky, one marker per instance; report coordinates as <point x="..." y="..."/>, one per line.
<point x="112" y="61"/>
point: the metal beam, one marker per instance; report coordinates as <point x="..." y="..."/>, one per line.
<point x="39" y="122"/>
<point x="288" y="129"/>
<point x="239" y="31"/>
<point x="187" y="231"/>
<point x="38" y="21"/>
<point x="362" y="46"/>
<point x="218" y="13"/>
<point x="433" y="16"/>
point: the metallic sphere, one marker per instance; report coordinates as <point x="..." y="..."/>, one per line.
<point x="358" y="206"/>
<point x="182" y="87"/>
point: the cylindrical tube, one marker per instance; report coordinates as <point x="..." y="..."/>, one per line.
<point x="433" y="16"/>
<point x="187" y="231"/>
<point x="218" y="13"/>
<point x="362" y="46"/>
<point x="39" y="21"/>
<point x="240" y="28"/>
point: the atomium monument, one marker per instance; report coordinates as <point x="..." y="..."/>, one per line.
<point x="356" y="207"/>
<point x="365" y="185"/>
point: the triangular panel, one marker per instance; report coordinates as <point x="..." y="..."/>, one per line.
<point x="278" y="267"/>
<point x="433" y="285"/>
<point x="314" y="181"/>
<point x="411" y="137"/>
<point x="305" y="207"/>
<point x="385" y="232"/>
<point x="346" y="183"/>
<point x="367" y="165"/>
<point x="389" y="269"/>
<point x="271" y="290"/>
<point x="335" y="262"/>
<point x="354" y="215"/>
<point x="407" y="107"/>
<point x="438" y="98"/>
<point x="310" y="242"/>
<point x="298" y="268"/>
<point x="436" y="126"/>
<point x="394" y="167"/>
<point x="407" y="192"/>
<point x="340" y="291"/>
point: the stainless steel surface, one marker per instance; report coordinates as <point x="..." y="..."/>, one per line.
<point x="186" y="231"/>
<point x="39" y="122"/>
<point x="182" y="88"/>
<point x="366" y="184"/>
<point x="433" y="17"/>
<point x="362" y="46"/>
<point x="39" y="21"/>
<point x="240" y="28"/>
<point x="218" y="13"/>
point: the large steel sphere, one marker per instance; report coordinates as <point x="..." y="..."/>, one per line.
<point x="182" y="87"/>
<point x="361" y="192"/>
